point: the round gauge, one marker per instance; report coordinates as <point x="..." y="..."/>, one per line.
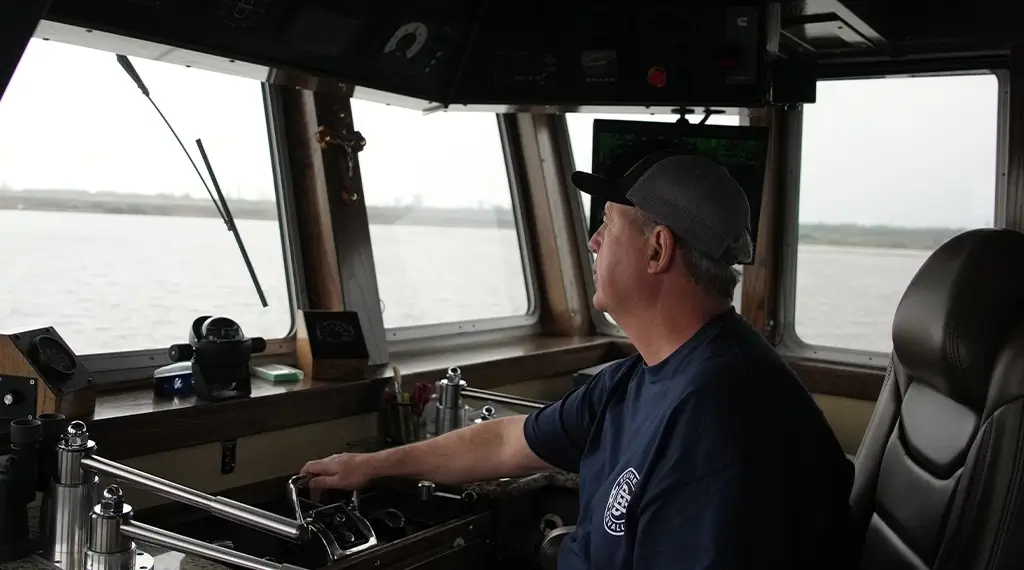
<point x="334" y="331"/>
<point x="418" y="33"/>
<point x="51" y="354"/>
<point x="220" y="329"/>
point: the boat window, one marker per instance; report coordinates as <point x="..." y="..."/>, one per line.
<point x="581" y="141"/>
<point x="443" y="225"/>
<point x="106" y="231"/>
<point x="889" y="169"/>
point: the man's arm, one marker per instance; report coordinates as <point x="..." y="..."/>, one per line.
<point x="484" y="451"/>
<point x="481" y="452"/>
<point x="559" y="432"/>
<point x="552" y="437"/>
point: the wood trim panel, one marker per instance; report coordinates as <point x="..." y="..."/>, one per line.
<point x="837" y="380"/>
<point x="860" y="383"/>
<point x="349" y="221"/>
<point x="565" y="309"/>
<point x="316" y="235"/>
<point x="761" y="279"/>
<point x="132" y="423"/>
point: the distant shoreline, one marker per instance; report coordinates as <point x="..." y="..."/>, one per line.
<point x="411" y="215"/>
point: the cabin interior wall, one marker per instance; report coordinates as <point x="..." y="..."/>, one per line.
<point x="849" y="418"/>
<point x="339" y="272"/>
<point x="548" y="389"/>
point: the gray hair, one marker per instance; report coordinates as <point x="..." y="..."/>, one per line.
<point x="711" y="276"/>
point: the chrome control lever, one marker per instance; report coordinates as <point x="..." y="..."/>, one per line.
<point x="427" y="490"/>
<point x="293" y="495"/>
<point x="312" y="520"/>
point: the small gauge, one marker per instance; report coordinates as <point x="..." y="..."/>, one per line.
<point x="599" y="65"/>
<point x="221" y="329"/>
<point x="418" y="32"/>
<point x="335" y="331"/>
<point x="51" y="354"/>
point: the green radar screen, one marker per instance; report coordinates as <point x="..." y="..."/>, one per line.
<point x="618" y="145"/>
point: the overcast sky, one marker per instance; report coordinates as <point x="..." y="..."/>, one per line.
<point x="913" y="152"/>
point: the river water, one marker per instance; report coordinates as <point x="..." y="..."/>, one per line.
<point x="121" y="282"/>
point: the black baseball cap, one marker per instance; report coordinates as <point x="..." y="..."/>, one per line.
<point x="693" y="196"/>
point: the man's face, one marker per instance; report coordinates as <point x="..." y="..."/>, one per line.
<point x="620" y="270"/>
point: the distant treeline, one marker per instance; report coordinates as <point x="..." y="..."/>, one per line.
<point x="169" y="205"/>
<point x="875" y="236"/>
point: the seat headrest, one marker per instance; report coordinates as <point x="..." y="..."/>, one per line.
<point x="952" y="319"/>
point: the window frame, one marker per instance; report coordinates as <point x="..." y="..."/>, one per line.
<point x="117" y="367"/>
<point x="791" y="345"/>
<point x="564" y="149"/>
<point x="409" y="337"/>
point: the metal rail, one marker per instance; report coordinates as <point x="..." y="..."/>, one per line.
<point x="478" y="394"/>
<point x="225" y="508"/>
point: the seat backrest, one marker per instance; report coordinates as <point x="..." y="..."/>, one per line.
<point x="940" y="472"/>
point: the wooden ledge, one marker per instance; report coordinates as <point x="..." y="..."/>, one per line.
<point x="819" y="377"/>
<point x="131" y="423"/>
<point x="860" y="383"/>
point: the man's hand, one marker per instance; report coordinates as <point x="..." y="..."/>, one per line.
<point x="347" y="471"/>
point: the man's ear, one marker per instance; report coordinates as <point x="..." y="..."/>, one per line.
<point x="661" y="248"/>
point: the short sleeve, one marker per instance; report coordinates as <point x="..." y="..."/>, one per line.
<point x="558" y="432"/>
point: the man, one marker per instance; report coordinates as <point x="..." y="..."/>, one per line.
<point x="701" y="451"/>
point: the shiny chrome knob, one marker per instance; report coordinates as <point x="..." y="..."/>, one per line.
<point x="426" y="489"/>
<point x="77" y="436"/>
<point x="112" y="502"/>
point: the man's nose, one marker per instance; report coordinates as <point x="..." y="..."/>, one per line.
<point x="594" y="244"/>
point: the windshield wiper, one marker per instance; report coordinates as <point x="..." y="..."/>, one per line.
<point x="219" y="201"/>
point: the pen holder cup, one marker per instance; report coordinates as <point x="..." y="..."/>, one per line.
<point x="399" y="424"/>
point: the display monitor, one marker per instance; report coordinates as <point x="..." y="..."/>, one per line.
<point x="743" y="151"/>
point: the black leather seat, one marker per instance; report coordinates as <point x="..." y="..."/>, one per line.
<point x="940" y="473"/>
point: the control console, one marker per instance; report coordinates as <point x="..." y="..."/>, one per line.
<point x="639" y="53"/>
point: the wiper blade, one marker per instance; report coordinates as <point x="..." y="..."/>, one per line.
<point x="221" y="204"/>
<point x="230" y="221"/>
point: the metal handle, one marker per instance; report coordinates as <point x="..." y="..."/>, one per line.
<point x="218" y="506"/>
<point x="169" y="540"/>
<point x="293" y="495"/>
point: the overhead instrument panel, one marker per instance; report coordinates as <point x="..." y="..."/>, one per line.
<point x="467" y="52"/>
<point x="242" y="14"/>
<point x="640" y="53"/>
<point x="408" y="47"/>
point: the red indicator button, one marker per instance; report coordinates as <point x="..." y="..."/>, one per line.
<point x="728" y="63"/>
<point x="657" y="77"/>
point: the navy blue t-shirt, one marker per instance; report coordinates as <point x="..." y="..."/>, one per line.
<point x="715" y="458"/>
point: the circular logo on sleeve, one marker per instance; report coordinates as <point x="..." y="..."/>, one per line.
<point x="618" y="501"/>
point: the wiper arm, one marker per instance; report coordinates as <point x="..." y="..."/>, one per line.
<point x="130" y="70"/>
<point x="221" y="204"/>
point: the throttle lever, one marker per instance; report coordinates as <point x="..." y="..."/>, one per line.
<point x="293" y="495"/>
<point x="322" y="531"/>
